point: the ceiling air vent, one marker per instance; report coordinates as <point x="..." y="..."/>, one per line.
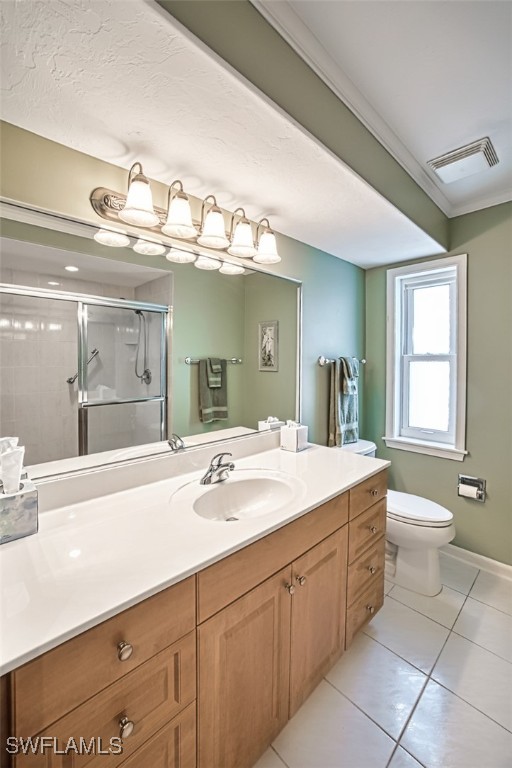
<point x="465" y="161"/>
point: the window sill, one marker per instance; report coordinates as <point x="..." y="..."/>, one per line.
<point x="430" y="449"/>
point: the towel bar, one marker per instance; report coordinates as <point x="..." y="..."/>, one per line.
<point x="195" y="361"/>
<point x="325" y="360"/>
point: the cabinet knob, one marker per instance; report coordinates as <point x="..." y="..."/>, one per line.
<point x="124" y="651"/>
<point x="125" y="727"/>
<point x="290" y="588"/>
<point x="374" y="492"/>
<point x="372" y="569"/>
<point x="301" y="580"/>
<point x="373" y="529"/>
<point x="370" y="609"/>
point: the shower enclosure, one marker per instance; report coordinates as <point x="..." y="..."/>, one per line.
<point x="87" y="373"/>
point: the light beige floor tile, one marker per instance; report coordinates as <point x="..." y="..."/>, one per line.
<point x="487" y="627"/>
<point x="412" y="636"/>
<point x="456" y="574"/>
<point x="388" y="585"/>
<point x="402" y="759"/>
<point x="443" y="608"/>
<point x="479" y="677"/>
<point x="446" y="732"/>
<point x="330" y="732"/>
<point x="493" y="590"/>
<point x="271" y="759"/>
<point x="383" y="685"/>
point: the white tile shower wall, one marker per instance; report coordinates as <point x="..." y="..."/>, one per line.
<point x="38" y="352"/>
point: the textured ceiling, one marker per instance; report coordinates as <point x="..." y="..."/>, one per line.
<point x="425" y="77"/>
<point x="122" y="82"/>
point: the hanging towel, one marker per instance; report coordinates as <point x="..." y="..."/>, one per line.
<point x="343" y="404"/>
<point x="213" y="401"/>
<point x="214" y="372"/>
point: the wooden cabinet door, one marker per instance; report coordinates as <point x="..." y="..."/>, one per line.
<point x="244" y="660"/>
<point x="318" y="614"/>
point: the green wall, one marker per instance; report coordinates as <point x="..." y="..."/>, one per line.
<point x="486" y="236"/>
<point x="270" y="393"/>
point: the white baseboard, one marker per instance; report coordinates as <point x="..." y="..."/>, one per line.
<point x="478" y="561"/>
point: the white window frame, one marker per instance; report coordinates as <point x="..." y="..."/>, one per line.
<point x="449" y="445"/>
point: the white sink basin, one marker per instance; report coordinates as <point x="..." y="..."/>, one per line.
<point x="246" y="494"/>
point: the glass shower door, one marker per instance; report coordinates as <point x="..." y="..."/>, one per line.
<point x="122" y="376"/>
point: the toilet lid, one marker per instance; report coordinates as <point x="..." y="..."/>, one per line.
<point x="416" y="510"/>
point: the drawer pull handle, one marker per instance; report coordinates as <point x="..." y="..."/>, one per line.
<point x="301" y="580"/>
<point x="124" y="651"/>
<point x="373" y="529"/>
<point x="374" y="492"/>
<point x="372" y="569"/>
<point x="370" y="609"/>
<point x="290" y="588"/>
<point x="125" y="727"/>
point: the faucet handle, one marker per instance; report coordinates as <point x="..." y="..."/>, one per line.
<point x="219" y="457"/>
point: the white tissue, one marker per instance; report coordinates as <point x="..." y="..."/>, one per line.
<point x="8" y="443"/>
<point x="12" y="465"/>
<point x="469" y="491"/>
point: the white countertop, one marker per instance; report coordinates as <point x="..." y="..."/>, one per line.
<point x="93" y="559"/>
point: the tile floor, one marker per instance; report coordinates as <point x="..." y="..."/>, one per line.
<point x="427" y="683"/>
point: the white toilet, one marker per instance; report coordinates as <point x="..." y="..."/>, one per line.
<point x="415" y="529"/>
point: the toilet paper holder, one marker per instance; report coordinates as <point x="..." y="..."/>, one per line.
<point x="472" y="488"/>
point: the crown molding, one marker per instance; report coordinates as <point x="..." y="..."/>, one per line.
<point x="483" y="202"/>
<point x="285" y="21"/>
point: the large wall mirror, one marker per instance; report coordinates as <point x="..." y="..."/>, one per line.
<point x="103" y="362"/>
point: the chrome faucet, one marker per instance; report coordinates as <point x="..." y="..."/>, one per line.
<point x="176" y="443"/>
<point x="218" y="470"/>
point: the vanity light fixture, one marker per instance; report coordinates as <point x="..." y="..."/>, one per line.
<point x="231" y="269"/>
<point x="213" y="232"/>
<point x="267" y="246"/>
<point x="179" y="216"/>
<point x="180" y="257"/>
<point x="242" y="243"/>
<point x="138" y="208"/>
<point x="71" y="269"/>
<point x="203" y="262"/>
<point x="149" y="248"/>
<point x="111" y="238"/>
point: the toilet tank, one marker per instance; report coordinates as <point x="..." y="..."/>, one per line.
<point x="363" y="447"/>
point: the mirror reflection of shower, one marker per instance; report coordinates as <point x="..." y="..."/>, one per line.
<point x="146" y="376"/>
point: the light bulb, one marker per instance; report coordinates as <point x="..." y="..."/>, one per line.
<point x="112" y="239"/>
<point x="243" y="243"/>
<point x="203" y="262"/>
<point x="179" y="219"/>
<point x="180" y="257"/>
<point x="267" y="249"/>
<point x="149" y="248"/>
<point x="214" y="232"/>
<point x="138" y="208"/>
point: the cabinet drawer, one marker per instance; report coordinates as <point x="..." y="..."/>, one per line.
<point x="367" y="493"/>
<point x="364" y="608"/>
<point x="149" y="697"/>
<point x="229" y="579"/>
<point x="366" y="529"/>
<point x="367" y="569"/>
<point x="50" y="686"/>
<point x="172" y="747"/>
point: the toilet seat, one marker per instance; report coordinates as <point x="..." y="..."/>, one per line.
<point x="415" y="510"/>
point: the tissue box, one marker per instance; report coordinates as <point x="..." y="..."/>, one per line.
<point x="18" y="512"/>
<point x="294" y="437"/>
<point x="265" y="425"/>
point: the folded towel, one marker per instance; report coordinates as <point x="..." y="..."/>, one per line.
<point x="213" y="401"/>
<point x="343" y="408"/>
<point x="350" y="369"/>
<point x="214" y="372"/>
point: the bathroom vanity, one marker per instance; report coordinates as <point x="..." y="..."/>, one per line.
<point x="208" y="669"/>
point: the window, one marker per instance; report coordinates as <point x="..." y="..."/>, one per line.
<point x="426" y="358"/>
